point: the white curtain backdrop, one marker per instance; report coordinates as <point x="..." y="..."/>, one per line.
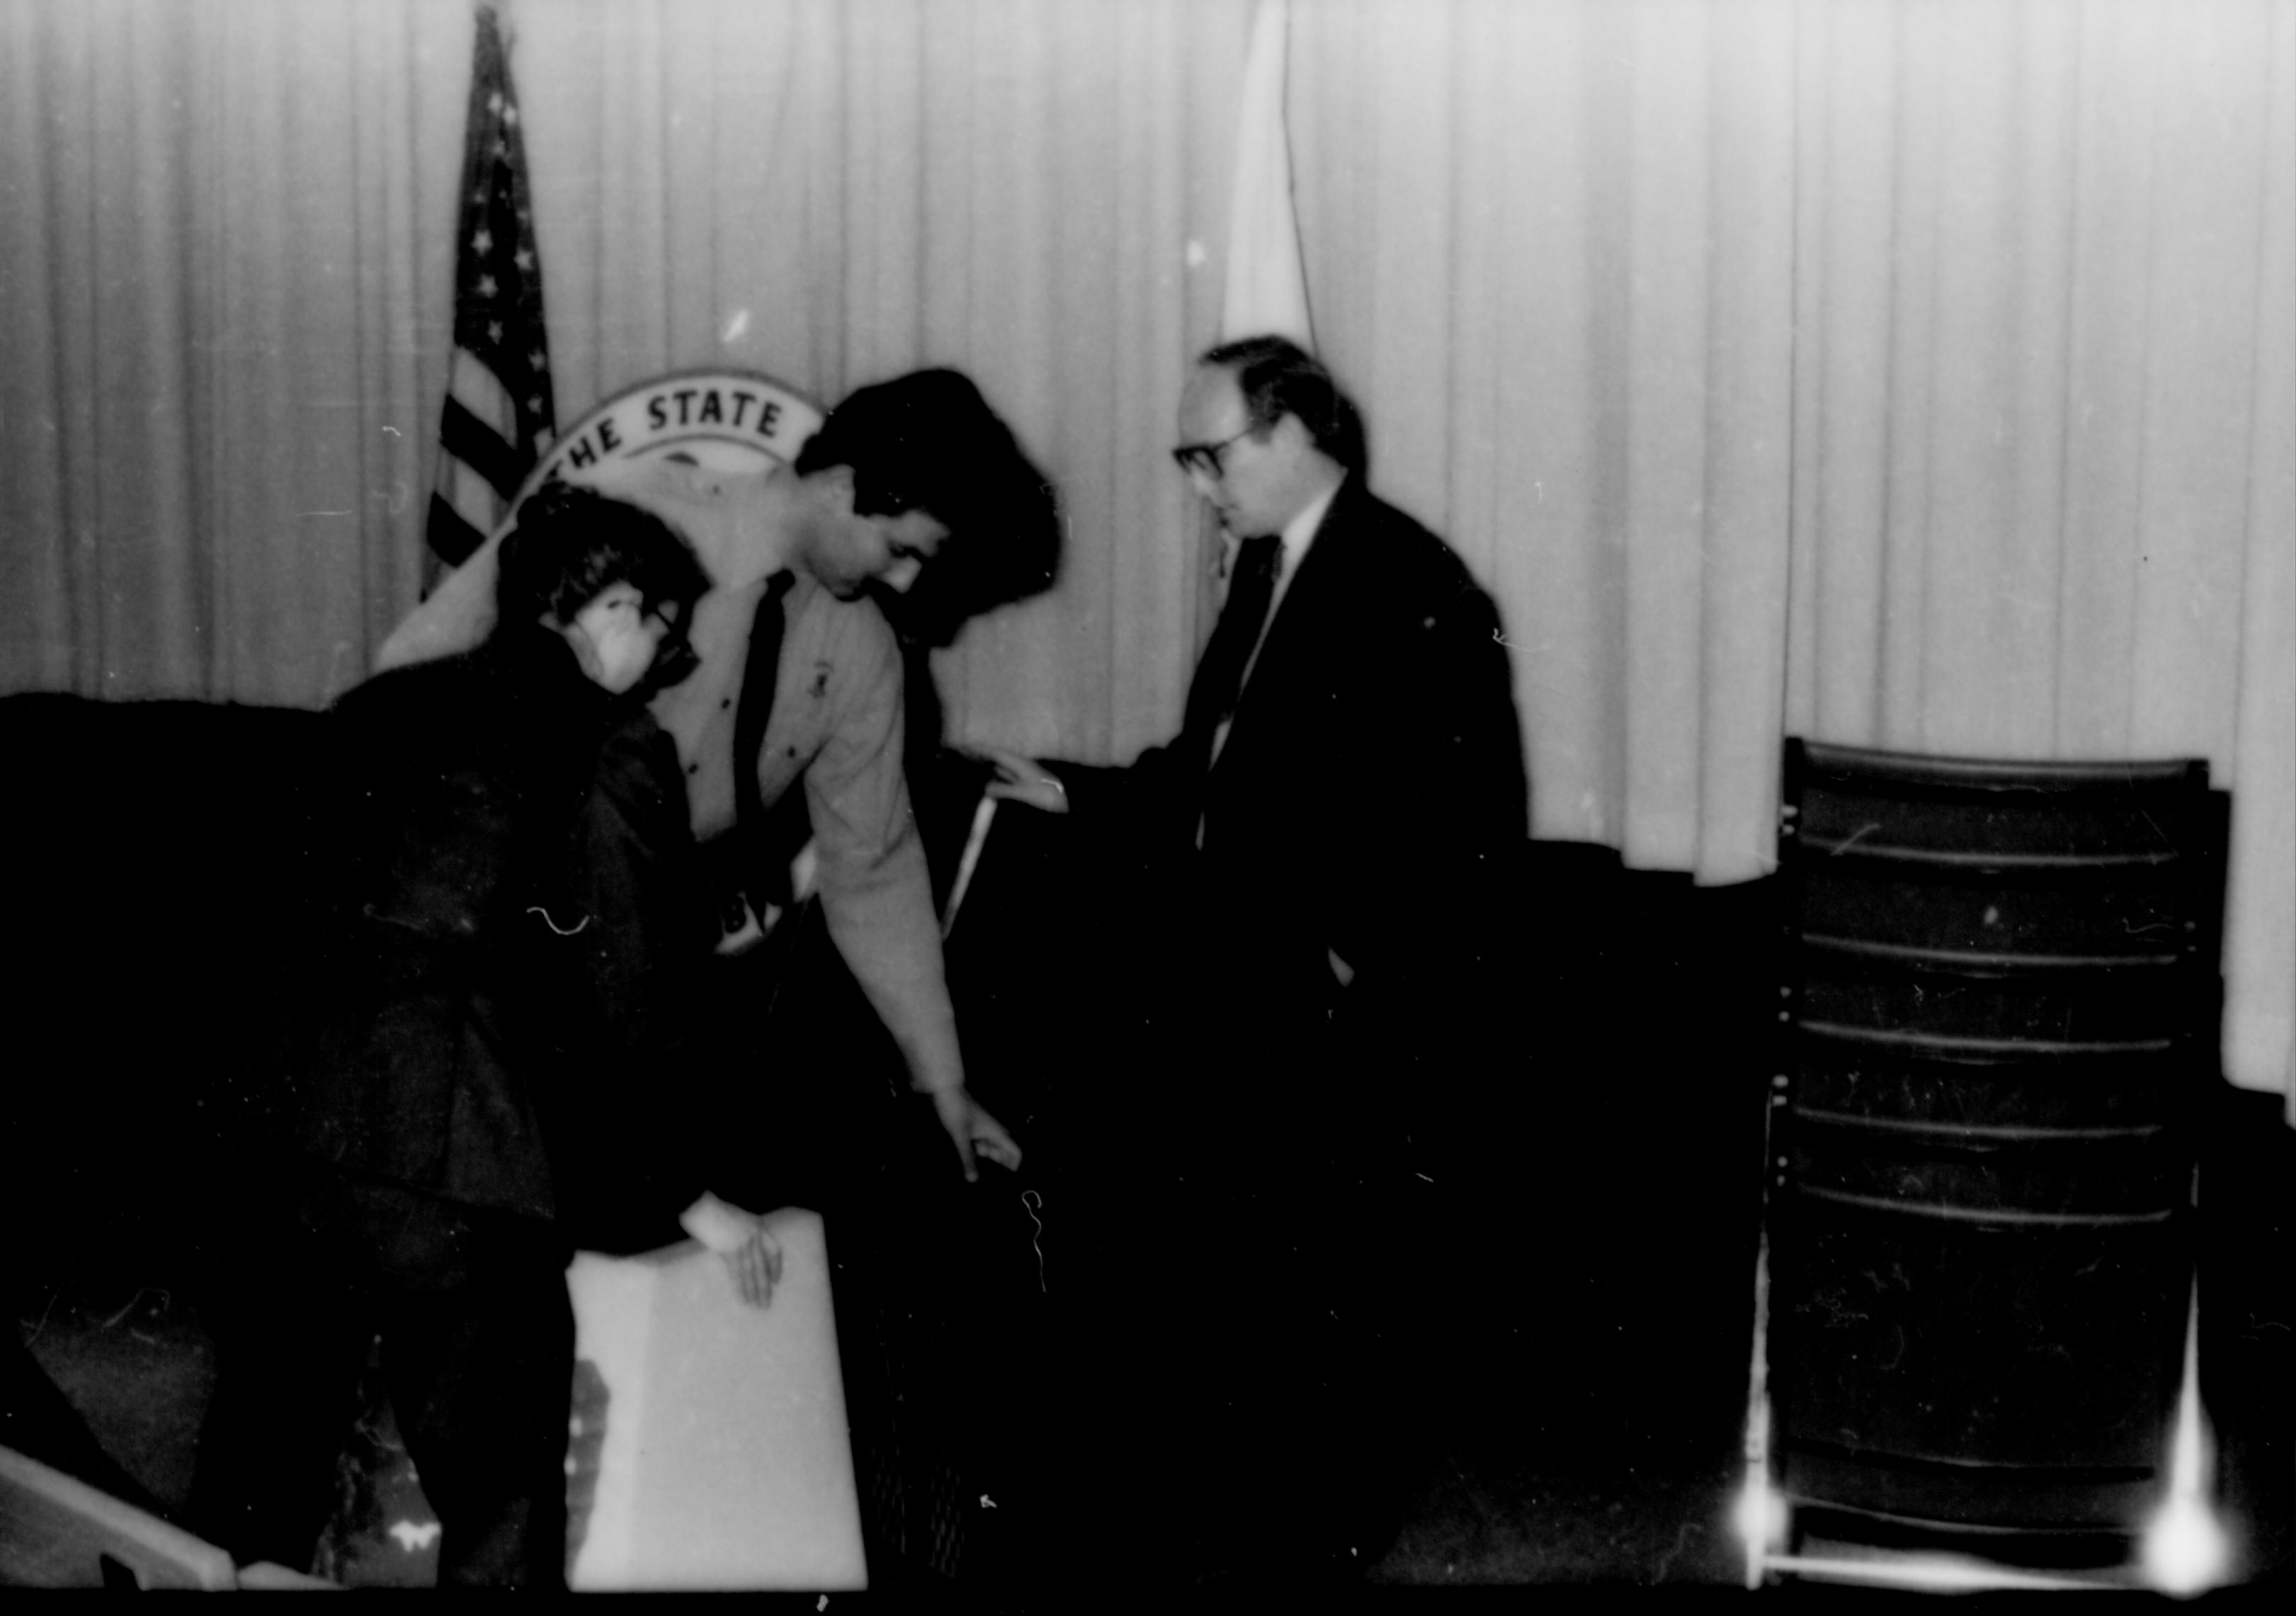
<point x="1918" y="374"/>
<point x="223" y="321"/>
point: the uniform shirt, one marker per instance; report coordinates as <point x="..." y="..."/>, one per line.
<point x="836" y="728"/>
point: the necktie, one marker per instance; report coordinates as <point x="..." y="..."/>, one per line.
<point x="751" y="821"/>
<point x="1219" y="677"/>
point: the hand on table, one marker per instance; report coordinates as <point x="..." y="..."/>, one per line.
<point x="756" y="1265"/>
<point x="752" y="1255"/>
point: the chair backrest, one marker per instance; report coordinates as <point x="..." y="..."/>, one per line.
<point x="2000" y="1004"/>
<point x="2059" y="920"/>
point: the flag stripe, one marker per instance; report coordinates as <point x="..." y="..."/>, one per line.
<point x="452" y="539"/>
<point x="478" y="390"/>
<point x="480" y="447"/>
<point x="471" y="494"/>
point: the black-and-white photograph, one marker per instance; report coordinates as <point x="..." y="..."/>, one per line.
<point x="1058" y="802"/>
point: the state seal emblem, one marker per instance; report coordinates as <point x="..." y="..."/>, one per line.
<point x="732" y="422"/>
<point x="693" y="445"/>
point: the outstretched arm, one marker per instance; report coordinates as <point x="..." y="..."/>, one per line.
<point x="876" y="894"/>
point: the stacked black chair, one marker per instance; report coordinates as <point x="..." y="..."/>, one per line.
<point x="2000" y="1019"/>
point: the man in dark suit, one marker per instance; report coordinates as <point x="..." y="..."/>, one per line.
<point x="1313" y="874"/>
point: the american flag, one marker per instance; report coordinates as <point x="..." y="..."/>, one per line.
<point x="498" y="417"/>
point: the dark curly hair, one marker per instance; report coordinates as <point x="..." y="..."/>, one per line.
<point x="928" y="441"/>
<point x="572" y="543"/>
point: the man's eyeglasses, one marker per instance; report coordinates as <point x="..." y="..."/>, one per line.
<point x="1204" y="458"/>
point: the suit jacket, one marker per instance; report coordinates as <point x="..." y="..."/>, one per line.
<point x="1370" y="804"/>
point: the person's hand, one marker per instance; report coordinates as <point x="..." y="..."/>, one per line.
<point x="1024" y="780"/>
<point x="752" y="1255"/>
<point x="975" y="1132"/>
<point x="756" y="1265"/>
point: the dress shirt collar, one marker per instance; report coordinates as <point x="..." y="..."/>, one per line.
<point x="1298" y="533"/>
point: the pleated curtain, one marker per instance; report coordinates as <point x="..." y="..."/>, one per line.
<point x="1908" y="372"/>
